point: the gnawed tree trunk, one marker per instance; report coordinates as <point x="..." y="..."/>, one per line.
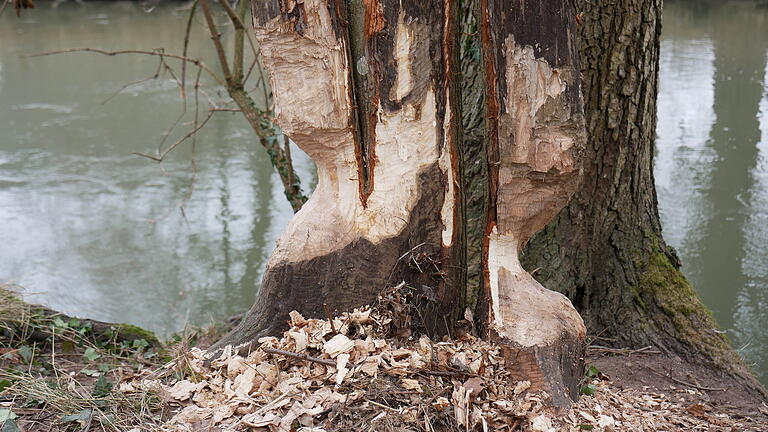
<point x="536" y="136"/>
<point x="369" y="89"/>
<point x="387" y="207"/>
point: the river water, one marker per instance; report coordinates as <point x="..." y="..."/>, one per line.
<point x="91" y="229"/>
<point x="711" y="165"/>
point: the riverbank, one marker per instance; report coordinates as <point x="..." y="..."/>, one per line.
<point x="62" y="373"/>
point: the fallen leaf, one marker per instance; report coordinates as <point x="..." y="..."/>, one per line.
<point x="521" y="386"/>
<point x="411" y="384"/>
<point x="182" y="390"/>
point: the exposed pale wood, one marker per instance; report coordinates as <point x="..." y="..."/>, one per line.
<point x="536" y="136"/>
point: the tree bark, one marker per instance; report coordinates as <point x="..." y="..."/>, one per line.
<point x="605" y="251"/>
<point x="370" y="96"/>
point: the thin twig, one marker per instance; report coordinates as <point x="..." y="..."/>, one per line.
<point x="442" y="373"/>
<point x="237" y="22"/>
<point x="226" y="110"/>
<point x="623" y="351"/>
<point x="178" y="82"/>
<point x="389" y="408"/>
<point x="298" y="356"/>
<point x="5" y="5"/>
<point x="192" y="162"/>
<point x="692" y="385"/>
<point x="329" y="316"/>
<point x="149" y="78"/>
<point x="169" y="131"/>
<point x="250" y="69"/>
<point x="160" y="157"/>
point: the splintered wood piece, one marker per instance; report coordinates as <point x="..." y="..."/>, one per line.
<point x="536" y="134"/>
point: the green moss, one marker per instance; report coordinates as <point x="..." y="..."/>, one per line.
<point x="664" y="286"/>
<point x="130" y="332"/>
<point x="668" y="283"/>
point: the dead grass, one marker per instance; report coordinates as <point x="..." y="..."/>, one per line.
<point x="73" y="404"/>
<point x="57" y="374"/>
<point x="12" y="309"/>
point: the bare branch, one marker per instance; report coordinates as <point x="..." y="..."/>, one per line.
<point x="197" y="62"/>
<point x="237" y="18"/>
<point x="149" y="78"/>
<point x="250" y="68"/>
<point x="190" y="134"/>
<point x="259" y="120"/>
<point x="298" y="356"/>
<point x="233" y="16"/>
<point x="288" y="159"/>
<point x="169" y="131"/>
<point x="179" y="84"/>
<point x="5" y="5"/>
<point x="216" y="37"/>
<point x="186" y="47"/>
<point x="239" y="36"/>
<point x="238" y="21"/>
<point x="192" y="162"/>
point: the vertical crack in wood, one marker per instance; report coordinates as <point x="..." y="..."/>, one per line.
<point x="492" y="149"/>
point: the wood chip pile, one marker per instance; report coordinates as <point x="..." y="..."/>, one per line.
<point x="347" y="376"/>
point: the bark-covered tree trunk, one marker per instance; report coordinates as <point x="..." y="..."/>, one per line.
<point x="605" y="251"/>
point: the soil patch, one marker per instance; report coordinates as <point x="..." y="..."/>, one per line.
<point x="682" y="382"/>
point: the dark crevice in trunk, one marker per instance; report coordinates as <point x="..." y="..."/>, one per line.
<point x="364" y="94"/>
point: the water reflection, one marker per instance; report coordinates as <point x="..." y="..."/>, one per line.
<point x="711" y="159"/>
<point x="90" y="229"/>
<point x="683" y="161"/>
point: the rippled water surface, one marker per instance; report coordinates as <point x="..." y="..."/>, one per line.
<point x="712" y="160"/>
<point x="89" y="228"/>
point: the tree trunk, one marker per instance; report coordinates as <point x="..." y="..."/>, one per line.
<point x="370" y="91"/>
<point x="536" y="136"/>
<point x="387" y="207"/>
<point x="605" y="251"/>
